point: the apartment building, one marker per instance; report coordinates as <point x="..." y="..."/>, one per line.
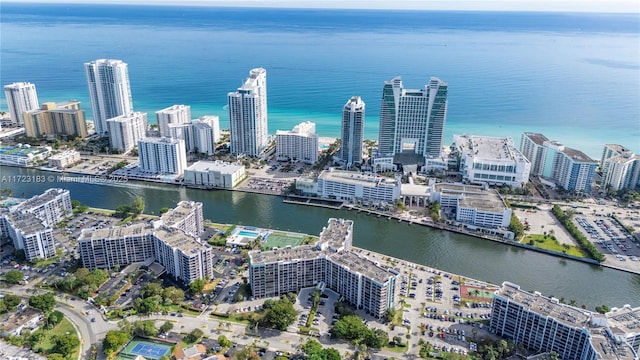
<point x="362" y="282"/>
<point x="50" y="207"/>
<point x="620" y="168"/>
<point x="172" y="241"/>
<point x="544" y="324"/>
<point x="474" y="205"/>
<point x="55" y="120"/>
<point x="125" y="130"/>
<point x="162" y="155"/>
<point x="248" y="115"/>
<point x="29" y="234"/>
<point x="21" y="97"/>
<point x="491" y="160"/>
<point x="301" y="143"/>
<point x="568" y="168"/>
<point x="64" y="159"/>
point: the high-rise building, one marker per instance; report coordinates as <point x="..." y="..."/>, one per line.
<point x="176" y="114"/>
<point x="569" y="168"/>
<point x="126" y="130"/>
<point x="620" y="168"/>
<point x="412" y="120"/>
<point x="352" y="132"/>
<point x="109" y="91"/>
<point x="248" y="115"/>
<point x="162" y="155"/>
<point x="205" y="133"/>
<point x="21" y="97"/>
<point x="52" y="120"/>
<point x="301" y="143"/>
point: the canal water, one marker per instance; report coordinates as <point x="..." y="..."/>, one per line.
<point x="460" y="254"/>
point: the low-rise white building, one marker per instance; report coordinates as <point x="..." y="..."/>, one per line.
<point x="301" y="143"/>
<point x="23" y="155"/>
<point x="64" y="159"/>
<point x="491" y="160"/>
<point x="214" y="174"/>
<point x="352" y="186"/>
<point x="473" y="205"/>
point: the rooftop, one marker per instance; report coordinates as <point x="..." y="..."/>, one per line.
<point x="353" y="177"/>
<point x="537" y="138"/>
<point x="40" y="200"/>
<point x="486" y="147"/>
<point x="361" y="265"/>
<point x="17" y="319"/>
<point x="160" y="140"/>
<point x="488" y="200"/>
<point x="617" y="148"/>
<point x="178" y="239"/>
<point x="21" y="150"/>
<point x="177" y="214"/>
<point x="624" y="320"/>
<point x="139" y="229"/>
<point x="221" y="166"/>
<point x="458" y="188"/>
<point x="26" y="222"/>
<point x="577" y="155"/>
<point x="337" y="233"/>
<point x="64" y="154"/>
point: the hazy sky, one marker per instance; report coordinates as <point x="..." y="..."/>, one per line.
<point x="627" y="6"/>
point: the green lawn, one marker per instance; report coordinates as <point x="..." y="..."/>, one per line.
<point x="551" y="244"/>
<point x="64" y="327"/>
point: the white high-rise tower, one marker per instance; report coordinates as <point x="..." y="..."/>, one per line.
<point x="21" y="97"/>
<point x="176" y="114"/>
<point x="248" y="115"/>
<point x="109" y="90"/>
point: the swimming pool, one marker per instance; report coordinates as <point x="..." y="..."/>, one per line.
<point x="248" y="233"/>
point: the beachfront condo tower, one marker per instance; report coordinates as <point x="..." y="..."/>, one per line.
<point x="176" y="114"/>
<point x="248" y="115"/>
<point x="126" y="130"/>
<point x="21" y="97"/>
<point x="109" y="91"/>
<point x="352" y="132"/>
<point x="412" y="121"/>
<point x="162" y="155"/>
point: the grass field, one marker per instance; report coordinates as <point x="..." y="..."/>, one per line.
<point x="551" y="244"/>
<point x="64" y="327"/>
<point x="281" y="240"/>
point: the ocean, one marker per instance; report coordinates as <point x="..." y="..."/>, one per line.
<point x="574" y="77"/>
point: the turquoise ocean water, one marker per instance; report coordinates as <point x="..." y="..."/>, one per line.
<point x="573" y="77"/>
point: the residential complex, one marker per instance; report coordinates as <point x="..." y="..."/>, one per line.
<point x="176" y="114"/>
<point x="491" y="160"/>
<point x="54" y="120"/>
<point x="544" y="324"/>
<point x="109" y="91"/>
<point x="620" y="168"/>
<point x="64" y="159"/>
<point x="301" y="143"/>
<point x="412" y="120"/>
<point x="21" y="97"/>
<point x="568" y="168"/>
<point x="352" y="132"/>
<point x="162" y="155"/>
<point x="214" y="174"/>
<point x="126" y="130"/>
<point x="331" y="264"/>
<point x="205" y="133"/>
<point x="183" y="255"/>
<point x="472" y="205"/>
<point x="23" y="154"/>
<point x="351" y="186"/>
<point x="29" y="224"/>
<point x="248" y="115"/>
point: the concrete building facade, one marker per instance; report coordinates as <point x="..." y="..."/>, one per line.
<point x="64" y="159"/>
<point x="53" y="120"/>
<point x="109" y="91"/>
<point x="620" y="168"/>
<point x="491" y="160"/>
<point x="126" y="130"/>
<point x="214" y="174"/>
<point x="301" y="143"/>
<point x="162" y="155"/>
<point x="473" y="205"/>
<point x="248" y="115"/>
<point x="176" y="114"/>
<point x="330" y="263"/>
<point x="353" y="186"/>
<point x="21" y="97"/>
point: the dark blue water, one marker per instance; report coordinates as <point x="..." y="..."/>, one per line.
<point x="574" y="77"/>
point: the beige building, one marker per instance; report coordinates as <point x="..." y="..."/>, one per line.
<point x="64" y="159"/>
<point x="54" y="120"/>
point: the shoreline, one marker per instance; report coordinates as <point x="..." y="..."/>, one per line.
<point x="343" y="206"/>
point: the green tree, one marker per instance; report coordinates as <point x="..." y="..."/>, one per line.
<point x="164" y="210"/>
<point x="349" y="327"/>
<point x="603" y="309"/>
<point x="197" y="286"/>
<point x="166" y="327"/>
<point x="45" y="302"/>
<point x="14" y="276"/>
<point x="193" y="336"/>
<point x="64" y="344"/>
<point x="147" y="305"/>
<point x="172" y="295"/>
<point x="145" y="328"/>
<point x="56" y="356"/>
<point x="151" y="289"/>
<point x="53" y="319"/>
<point x="114" y="340"/>
<point x="224" y="342"/>
<point x="331" y="354"/>
<point x="11" y="301"/>
<point x="389" y="315"/>
<point x="279" y="314"/>
<point x="138" y="205"/>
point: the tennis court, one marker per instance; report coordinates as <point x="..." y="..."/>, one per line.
<point x="280" y="240"/>
<point x="150" y="350"/>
